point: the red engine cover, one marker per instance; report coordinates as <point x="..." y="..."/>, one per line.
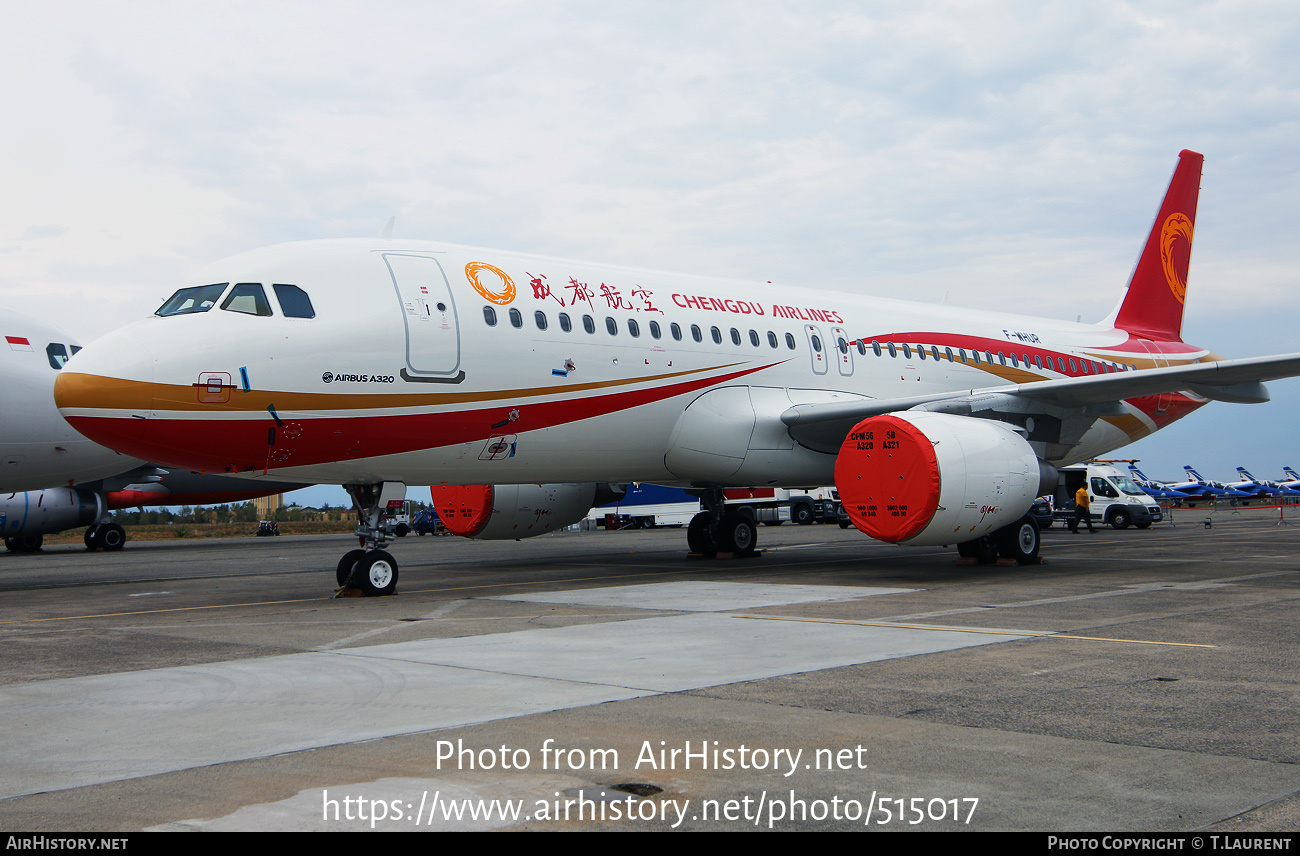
<point x="888" y="478"/>
<point x="463" y="509"/>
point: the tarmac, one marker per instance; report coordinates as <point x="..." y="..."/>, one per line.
<point x="1135" y="681"/>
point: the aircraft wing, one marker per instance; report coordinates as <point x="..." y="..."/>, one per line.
<point x="824" y="426"/>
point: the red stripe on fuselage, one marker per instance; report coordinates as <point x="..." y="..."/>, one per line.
<point x="243" y="445"/>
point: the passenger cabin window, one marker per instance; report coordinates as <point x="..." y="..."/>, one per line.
<point x="198" y="299"/>
<point x="589" y="324"/>
<point x="248" y="298"/>
<point x="789" y="341"/>
<point x="753" y="338"/>
<point x="696" y="334"/>
<point x="717" y="335"/>
<point x="633" y="328"/>
<point x="771" y="339"/>
<point x="516" y="319"/>
<point x="735" y="336"/>
<point x="611" y="326"/>
<point x="294" y="302"/>
<point x="655" y="332"/>
<point x="539" y="318"/>
<point x="676" y="331"/>
<point x="565" y="324"/>
<point x="489" y="316"/>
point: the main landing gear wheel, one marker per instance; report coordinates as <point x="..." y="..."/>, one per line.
<point x="346" y="564"/>
<point x="699" y="538"/>
<point x="736" y="534"/>
<point x="376" y="573"/>
<point x="982" y="550"/>
<point x="110" y="537"/>
<point x="24" y="543"/>
<point x="1019" y="541"/>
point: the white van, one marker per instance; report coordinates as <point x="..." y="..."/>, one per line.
<point x="1113" y="497"/>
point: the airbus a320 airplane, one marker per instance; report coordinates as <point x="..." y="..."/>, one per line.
<point x="374" y="364"/>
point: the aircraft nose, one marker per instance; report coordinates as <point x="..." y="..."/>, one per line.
<point x="106" y="392"/>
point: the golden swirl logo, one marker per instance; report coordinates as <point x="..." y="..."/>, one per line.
<point x="1176" y="252"/>
<point x="501" y="291"/>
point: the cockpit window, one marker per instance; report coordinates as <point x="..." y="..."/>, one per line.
<point x="294" y="302"/>
<point x="249" y="298"/>
<point x="57" y="353"/>
<point x="200" y="298"/>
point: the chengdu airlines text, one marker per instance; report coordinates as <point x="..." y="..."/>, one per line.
<point x="602" y="805"/>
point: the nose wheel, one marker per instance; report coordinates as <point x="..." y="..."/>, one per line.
<point x="373" y="570"/>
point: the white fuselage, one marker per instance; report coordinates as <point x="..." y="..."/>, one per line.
<point x="435" y="363"/>
<point x="38" y="448"/>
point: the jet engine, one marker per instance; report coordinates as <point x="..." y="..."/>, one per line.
<point x="928" y="479"/>
<point x="24" y="517"/>
<point x="498" y="512"/>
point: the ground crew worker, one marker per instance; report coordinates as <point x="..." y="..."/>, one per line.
<point x="1081" y="509"/>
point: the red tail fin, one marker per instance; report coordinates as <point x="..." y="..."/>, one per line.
<point x="1153" y="305"/>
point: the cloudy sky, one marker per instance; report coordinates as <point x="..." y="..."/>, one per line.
<point x="1006" y="155"/>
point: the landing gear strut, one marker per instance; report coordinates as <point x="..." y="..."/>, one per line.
<point x="372" y="570"/>
<point x="719" y="529"/>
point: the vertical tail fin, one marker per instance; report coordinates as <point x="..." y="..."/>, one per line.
<point x="1193" y="473"/>
<point x="1153" y="305"/>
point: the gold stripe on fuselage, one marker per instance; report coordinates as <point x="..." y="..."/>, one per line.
<point x="77" y="391"/>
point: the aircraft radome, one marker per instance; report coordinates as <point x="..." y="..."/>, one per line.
<point x="52" y="478"/>
<point x="380" y="363"/>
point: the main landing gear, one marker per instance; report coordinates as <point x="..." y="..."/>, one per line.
<point x="372" y="570"/>
<point x="1018" y="542"/>
<point x="109" y="537"/>
<point x="721" y="530"/>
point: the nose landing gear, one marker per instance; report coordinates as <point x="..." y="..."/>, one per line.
<point x="372" y="570"/>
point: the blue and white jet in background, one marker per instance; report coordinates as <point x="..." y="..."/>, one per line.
<point x="1261" y="487"/>
<point x="1213" y="488"/>
<point x="1154" y="488"/>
